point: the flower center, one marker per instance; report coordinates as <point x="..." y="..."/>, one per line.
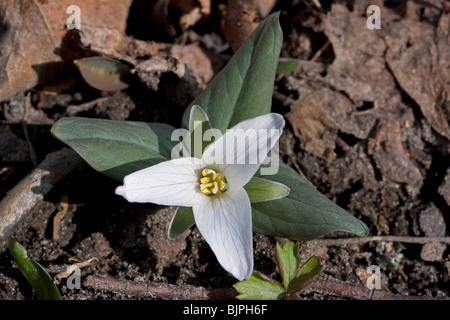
<point x="212" y="182"/>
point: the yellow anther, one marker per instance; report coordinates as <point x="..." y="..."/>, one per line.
<point x="205" y="180"/>
<point x="212" y="182"/>
<point x="223" y="185"/>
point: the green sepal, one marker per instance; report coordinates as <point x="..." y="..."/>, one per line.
<point x="259" y="190"/>
<point x="198" y="125"/>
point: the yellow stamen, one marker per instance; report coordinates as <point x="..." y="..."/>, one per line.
<point x="205" y="180"/>
<point x="212" y="182"/>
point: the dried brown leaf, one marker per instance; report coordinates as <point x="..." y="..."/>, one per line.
<point x="392" y="158"/>
<point x="239" y="21"/>
<point x="359" y="68"/>
<point x="33" y="37"/>
<point x="320" y="113"/>
<point x="419" y="56"/>
<point x="196" y="60"/>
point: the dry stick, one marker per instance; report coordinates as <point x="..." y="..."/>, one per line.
<point x="320" y="51"/>
<point x="329" y="286"/>
<point x="404" y="239"/>
<point x="74" y="109"/>
<point x="25" y="131"/>
<point x="335" y="287"/>
<point x="20" y="200"/>
<point x="157" y="290"/>
<point x="59" y="216"/>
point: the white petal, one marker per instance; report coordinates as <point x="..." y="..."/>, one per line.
<point x="239" y="153"/>
<point x="225" y="221"/>
<point x="174" y="182"/>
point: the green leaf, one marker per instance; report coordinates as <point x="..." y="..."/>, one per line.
<point x="243" y="88"/>
<point x="104" y="73"/>
<point x="259" y="287"/>
<point x="260" y="189"/>
<point x="35" y="274"/>
<point x="307" y="273"/>
<point x="198" y="125"/>
<point x="288" y="261"/>
<point x="304" y="214"/>
<point x="182" y="220"/>
<point x="116" y="148"/>
<point x="287" y="66"/>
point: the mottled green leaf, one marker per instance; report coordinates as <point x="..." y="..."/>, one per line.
<point x="35" y="274"/>
<point x="259" y="287"/>
<point x="304" y="214"/>
<point x="243" y="88"/>
<point x="104" y="73"/>
<point x="116" y="148"/>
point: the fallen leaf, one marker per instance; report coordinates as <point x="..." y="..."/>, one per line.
<point x="320" y="113"/>
<point x="359" y="68"/>
<point x="148" y="59"/>
<point x="389" y="154"/>
<point x="419" y="57"/>
<point x="239" y="21"/>
<point x="33" y="38"/>
<point x="197" y="62"/>
<point x="191" y="18"/>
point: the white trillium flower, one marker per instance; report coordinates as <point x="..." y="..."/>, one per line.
<point x="214" y="187"/>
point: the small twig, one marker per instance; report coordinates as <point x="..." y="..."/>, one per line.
<point x="285" y="100"/>
<point x="72" y="268"/>
<point x="74" y="109"/>
<point x="59" y="216"/>
<point x="25" y="130"/>
<point x="328" y="285"/>
<point x="335" y="287"/>
<point x="20" y="200"/>
<point x="158" y="290"/>
<point x="320" y="51"/>
<point x="357" y="241"/>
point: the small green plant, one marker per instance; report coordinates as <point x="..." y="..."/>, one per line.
<point x="294" y="277"/>
<point x="35" y="274"/>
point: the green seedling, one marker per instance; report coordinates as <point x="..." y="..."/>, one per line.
<point x="293" y="277"/>
<point x="287" y="66"/>
<point x="35" y="274"/>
